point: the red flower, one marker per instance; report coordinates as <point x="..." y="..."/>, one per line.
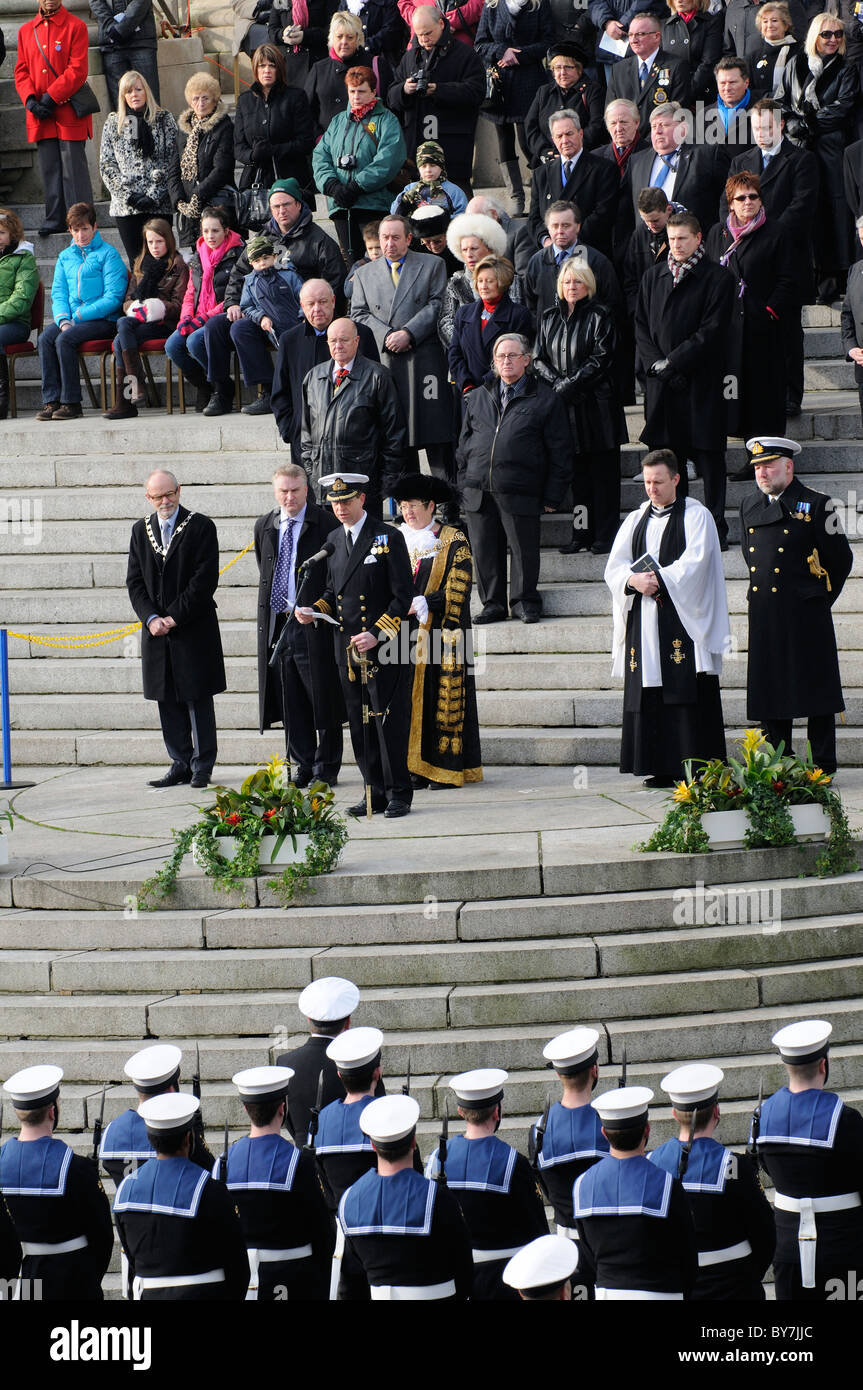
<point x="234" y="818"/>
<point x="268" y="815"/>
<point x="778" y="786"/>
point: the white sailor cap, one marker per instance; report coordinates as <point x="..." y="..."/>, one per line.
<point x="355" y="1048"/>
<point x="803" y="1042"/>
<point x="329" y="999"/>
<point x="625" y="1108"/>
<point x="175" y="1110"/>
<point x="34" y="1087"/>
<point x="389" y="1119"/>
<point x="692" y="1086"/>
<point x="341" y="487"/>
<point x="479" y="1088"/>
<point x="764" y="448"/>
<point x="152" y="1067"/>
<point x="262" y="1083"/>
<point x="545" y="1263"/>
<point x="572" y="1051"/>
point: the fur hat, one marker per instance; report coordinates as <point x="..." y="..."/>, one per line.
<point x="479" y="225"/>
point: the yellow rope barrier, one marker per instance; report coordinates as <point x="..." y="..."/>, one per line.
<point x="79" y="641"/>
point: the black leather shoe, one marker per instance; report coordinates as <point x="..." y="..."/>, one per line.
<point x="574" y="548"/>
<point x="175" y="778"/>
<point x="597" y="549"/>
<point x="743" y="475"/>
<point x="792" y="409"/>
<point x="530" y="617"/>
<point x="302" y="779"/>
<point x="417" y="782"/>
<point x="200" y="779"/>
<point x="395" y="809"/>
<point x="360" y="808"/>
<point x="490" y="615"/>
<point x="655" y="782"/>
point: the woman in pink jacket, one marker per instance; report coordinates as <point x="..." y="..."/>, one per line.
<point x="210" y="269"/>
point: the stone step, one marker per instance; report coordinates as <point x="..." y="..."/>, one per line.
<point x="590" y="747"/>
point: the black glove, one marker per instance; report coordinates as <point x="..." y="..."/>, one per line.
<point x="660" y="369"/>
<point x="113" y="36"/>
<point x="261" y="150"/>
<point x="350" y="193"/>
<point x="342" y="196"/>
<point x="47" y="103"/>
<point x="678" y="382"/>
<point x="32" y="105"/>
<point x="332" y="187"/>
<point x="139" y="201"/>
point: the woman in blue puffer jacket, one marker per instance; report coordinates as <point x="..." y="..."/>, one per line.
<point x="87" y="293"/>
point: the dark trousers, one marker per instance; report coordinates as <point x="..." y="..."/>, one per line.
<point x="792" y="342"/>
<point x="65" y="177"/>
<point x="58" y="356"/>
<point x="116" y="61"/>
<point x="820" y="732"/>
<point x="189" y="731"/>
<point x="316" y="751"/>
<point x="441" y="461"/>
<point x="349" y="223"/>
<point x="391" y="696"/>
<point x="253" y="350"/>
<point x="596" y="490"/>
<point x="491" y="531"/>
<point x="710" y="466"/>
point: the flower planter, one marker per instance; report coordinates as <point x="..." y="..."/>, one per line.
<point x="811" y="821"/>
<point x="4" y="850"/>
<point x="228" y="847"/>
<point x="725" y="829"/>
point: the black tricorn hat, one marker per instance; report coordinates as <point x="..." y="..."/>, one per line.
<point x="423" y="488"/>
<point x="565" y="50"/>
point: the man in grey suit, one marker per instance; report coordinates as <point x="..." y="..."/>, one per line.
<point x="399" y="298"/>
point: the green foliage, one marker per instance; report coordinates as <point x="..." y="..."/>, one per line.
<point x="266" y="804"/>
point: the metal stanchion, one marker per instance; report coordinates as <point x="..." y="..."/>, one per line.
<point x="7" y="784"/>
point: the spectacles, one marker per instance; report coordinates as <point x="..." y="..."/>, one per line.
<point x="832" y="34"/>
<point x="565" y="67"/>
<point x="508" y="356"/>
<point x="161" y="496"/>
<point x="746" y="198"/>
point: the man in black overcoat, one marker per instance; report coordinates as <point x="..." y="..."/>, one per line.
<point x="576" y="177"/>
<point x="368" y="594"/>
<point x="789" y="192"/>
<point x="327" y="1005"/>
<point x="797" y="558"/>
<point x="172" y="576"/>
<point x="302" y="348"/>
<point x="303" y="689"/>
<point x="681" y="332"/>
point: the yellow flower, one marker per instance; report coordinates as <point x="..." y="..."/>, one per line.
<point x="815" y="774"/>
<point x="372" y="127"/>
<point x="752" y="740"/>
<point x="682" y="792"/>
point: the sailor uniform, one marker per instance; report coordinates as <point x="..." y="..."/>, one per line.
<point x="495" y="1188"/>
<point x="181" y="1234"/>
<point x="733" y="1220"/>
<point x="572" y="1143"/>
<point x="797" y="559"/>
<point x="61" y="1217"/>
<point x="409" y="1237"/>
<point x="288" y="1231"/>
<point x="635" y="1226"/>
<point x="125" y="1147"/>
<point x="812" y="1146"/>
<point x="344" y="1153"/>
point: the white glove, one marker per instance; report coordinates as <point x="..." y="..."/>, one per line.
<point x="420" y="607"/>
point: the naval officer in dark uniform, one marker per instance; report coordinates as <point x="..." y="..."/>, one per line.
<point x="58" y="1208"/>
<point x="797" y="558"/>
<point x="327" y="1004"/>
<point x="406" y="1231"/>
<point x="493" y="1183"/>
<point x="178" y="1227"/>
<point x="369" y="592"/>
<point x="811" y="1144"/>
<point x="633" y="1219"/>
<point x="288" y="1231"/>
<point x="733" y="1219"/>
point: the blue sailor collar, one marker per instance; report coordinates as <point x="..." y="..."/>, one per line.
<point x="708" y="1168"/>
<point x="339" y="1128"/>
<point x="401" y="1205"/>
<point x="809" y="1118"/>
<point x="37" y="1168"/>
<point x="622" y="1187"/>
<point x="264" y="1164"/>
<point x="164" y="1186"/>
<point x="477" y="1165"/>
<point x="126" y="1137"/>
<point x="572" y="1134"/>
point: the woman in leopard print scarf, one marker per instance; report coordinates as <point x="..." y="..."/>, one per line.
<point x="206" y="163"/>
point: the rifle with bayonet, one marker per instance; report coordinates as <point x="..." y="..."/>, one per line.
<point x="199" y="1143"/>
<point x="406" y="1088"/>
<point x="622" y="1081"/>
<point x="539" y="1133"/>
<point x="97" y="1129"/>
<point x="314" y="1114"/>
<point x="755" y="1129"/>
<point x="222" y="1174"/>
<point x="440" y="1175"/>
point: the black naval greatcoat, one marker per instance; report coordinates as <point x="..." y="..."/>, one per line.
<point x="793" y="664"/>
<point x="187" y="664"/>
<point x="307" y="1062"/>
<point x="10" y="1246"/>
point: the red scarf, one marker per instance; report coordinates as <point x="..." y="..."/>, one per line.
<point x="686" y="15"/>
<point x="623" y="159"/>
<point x="364" y="110"/>
<point x="488" y="310"/>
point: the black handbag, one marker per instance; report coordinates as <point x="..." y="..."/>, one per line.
<point x="253" y="203"/>
<point x="494" y="99"/>
<point x="84" y="102"/>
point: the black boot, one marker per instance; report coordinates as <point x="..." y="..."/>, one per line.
<point x="222" y="399"/>
<point x="4" y="386"/>
<point x="195" y="377"/>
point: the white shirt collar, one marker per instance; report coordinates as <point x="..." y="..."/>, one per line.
<point x="773" y="151"/>
<point x="299" y="518"/>
<point x="357" y="527"/>
<point x="348" y="367"/>
<point x="649" y="60"/>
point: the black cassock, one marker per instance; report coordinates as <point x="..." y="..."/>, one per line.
<point x="793" y="663"/>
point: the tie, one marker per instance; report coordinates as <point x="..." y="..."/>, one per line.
<point x="349" y="542"/>
<point x="341" y="376"/>
<point x="166" y="534"/>
<point x="765" y="160"/>
<point x="567" y="171"/>
<point x="507" y="397"/>
<point x="669" y="164"/>
<point x="395" y="272"/>
<point x="642" y="73"/>
<point x="560" y="256"/>
<point x="282" y="575"/>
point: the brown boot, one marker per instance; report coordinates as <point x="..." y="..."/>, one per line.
<point x="134" y="370"/>
<point x="123" y="408"/>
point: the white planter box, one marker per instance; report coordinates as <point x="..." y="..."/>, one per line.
<point x="4" y="849"/>
<point x="811" y="822"/>
<point x="287" y="854"/>
<point x="725" y="829"/>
